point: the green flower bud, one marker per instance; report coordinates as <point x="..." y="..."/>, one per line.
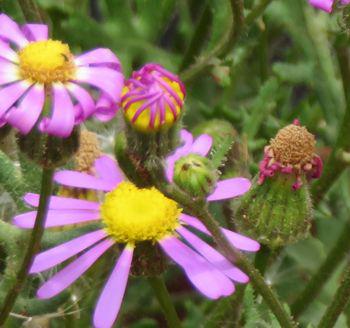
<point x="48" y="151"/>
<point x="195" y="175"/>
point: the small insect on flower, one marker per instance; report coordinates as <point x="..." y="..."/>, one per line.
<point x="326" y="5"/>
<point x="153" y="98"/>
<point x="129" y="217"/>
<point x="37" y="73"/>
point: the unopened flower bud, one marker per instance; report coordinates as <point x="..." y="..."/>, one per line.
<point x="152" y="99"/>
<point x="195" y="175"/>
<point x="278" y="209"/>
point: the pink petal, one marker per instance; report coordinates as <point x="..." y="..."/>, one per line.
<point x="98" y="56"/>
<point x="73" y="271"/>
<point x="106" y="108"/>
<point x="240" y="242"/>
<point x="83" y="180"/>
<point x="7" y="53"/>
<point x="60" y="253"/>
<point x="10" y="94"/>
<point x="106" y="79"/>
<point x="35" y="32"/>
<point x="8" y="71"/>
<point x="62" y="120"/>
<point x="62" y="203"/>
<point x="9" y="30"/>
<point x="187" y="139"/>
<point x="56" y="218"/>
<point x="25" y="116"/>
<point x="229" y="188"/>
<point x="213" y="256"/>
<point x="84" y="99"/>
<point x="107" y="169"/>
<point x="110" y="300"/>
<point x="204" y="276"/>
<point x="202" y="145"/>
<point x="325" y="5"/>
<point x="344" y="2"/>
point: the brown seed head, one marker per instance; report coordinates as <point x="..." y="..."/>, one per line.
<point x="293" y="145"/>
<point x="88" y="151"/>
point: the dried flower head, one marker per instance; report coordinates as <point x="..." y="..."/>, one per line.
<point x="292" y="151"/>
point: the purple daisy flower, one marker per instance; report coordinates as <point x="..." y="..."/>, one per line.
<point x="130" y="215"/>
<point x="153" y="98"/>
<point x="33" y="67"/>
<point x="326" y="5"/>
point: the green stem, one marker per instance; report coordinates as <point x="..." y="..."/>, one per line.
<point x="340" y="300"/>
<point x="224" y="45"/>
<point x="199" y="36"/>
<point x="200" y="210"/>
<point x="313" y="288"/>
<point x="30" y="11"/>
<point x="257" y="11"/>
<point x="335" y="166"/>
<point x="164" y="299"/>
<point x="33" y="245"/>
<point x="228" y="40"/>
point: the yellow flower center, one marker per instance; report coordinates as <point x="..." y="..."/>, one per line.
<point x="46" y="62"/>
<point x="132" y="215"/>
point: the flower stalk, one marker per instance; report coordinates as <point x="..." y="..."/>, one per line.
<point x="162" y="294"/>
<point x="33" y="245"/>
<point x="341" y="299"/>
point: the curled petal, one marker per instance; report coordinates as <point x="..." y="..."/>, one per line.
<point x="25" y="116"/>
<point x="10" y="94"/>
<point x="106" y="79"/>
<point x="62" y="120"/>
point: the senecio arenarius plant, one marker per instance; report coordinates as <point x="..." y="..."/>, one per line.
<point x="131" y="194"/>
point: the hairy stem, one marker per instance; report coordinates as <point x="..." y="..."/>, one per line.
<point x="340" y="300"/>
<point x="33" y="245"/>
<point x="316" y="283"/>
<point x="228" y="40"/>
<point x="164" y="299"/>
<point x="224" y="45"/>
<point x="198" y="38"/>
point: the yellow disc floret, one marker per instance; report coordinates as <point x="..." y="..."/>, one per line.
<point x="132" y="215"/>
<point x="46" y="62"/>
